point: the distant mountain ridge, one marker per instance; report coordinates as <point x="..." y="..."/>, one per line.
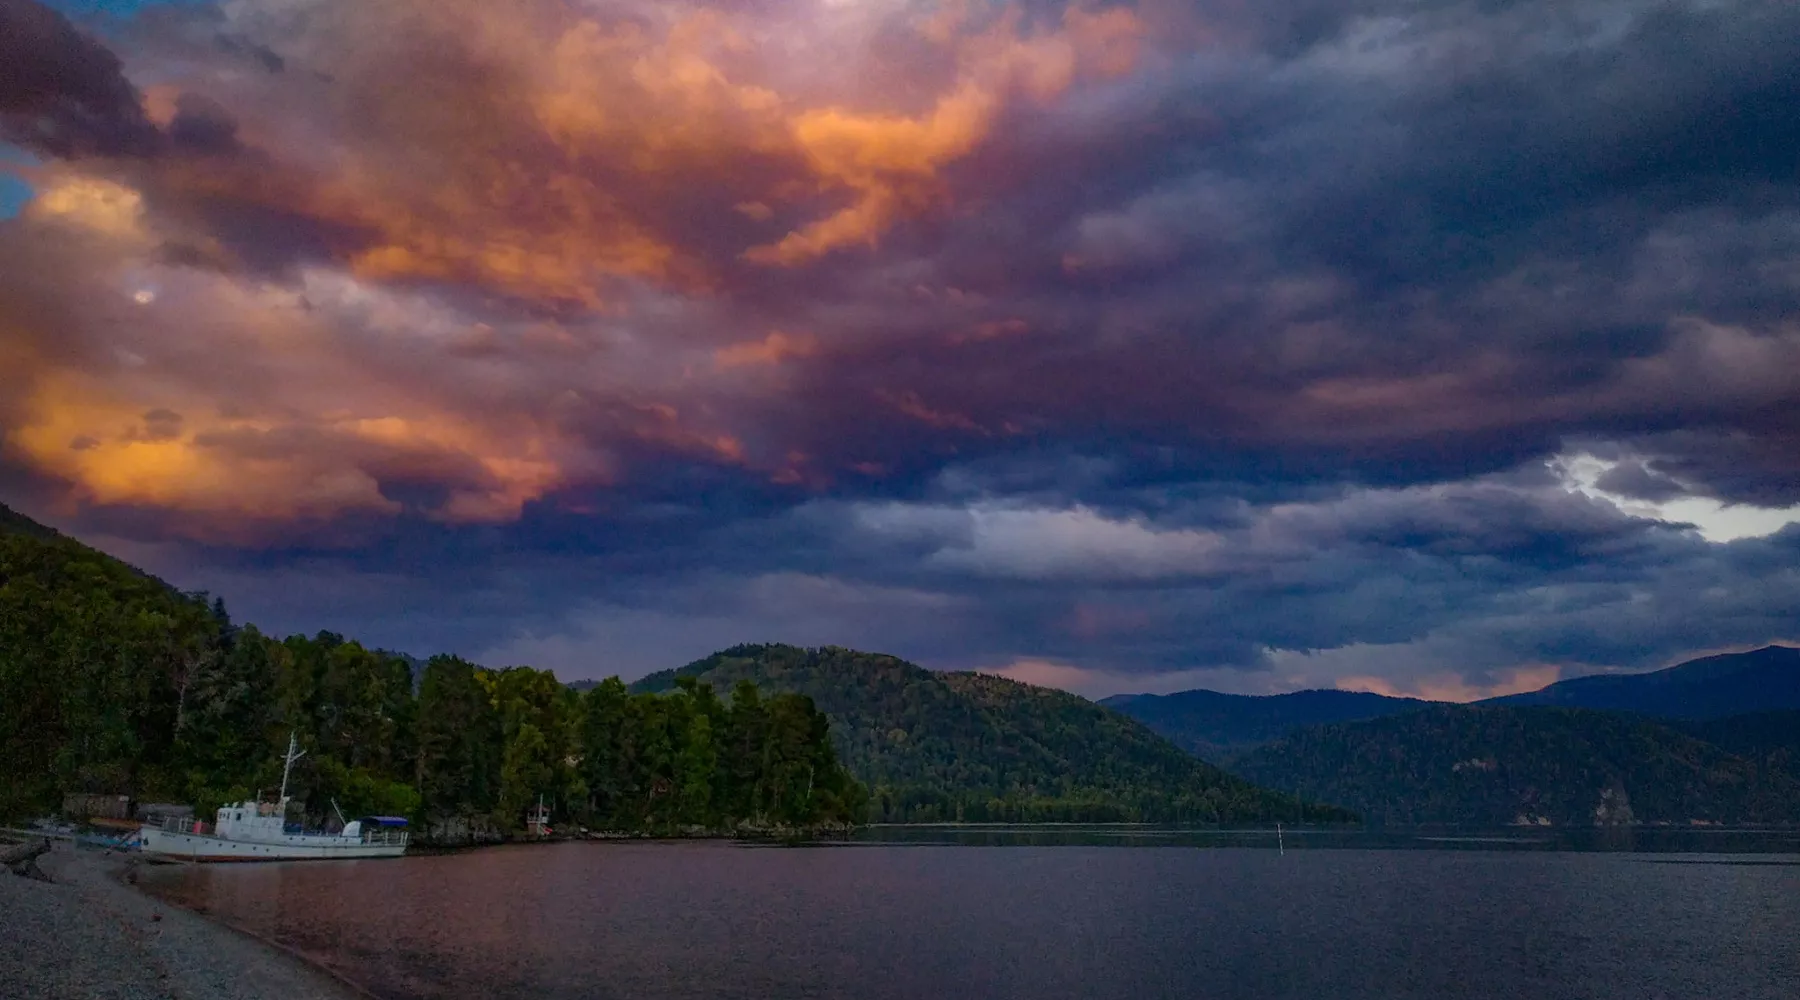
<point x="1711" y="687"/>
<point x="1712" y="740"/>
<point x="1217" y="726"/>
<point x="955" y="746"/>
<point x="1487" y="765"/>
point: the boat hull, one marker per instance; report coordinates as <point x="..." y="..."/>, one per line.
<point x="200" y="847"/>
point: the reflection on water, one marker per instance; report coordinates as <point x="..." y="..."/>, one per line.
<point x="1477" y="918"/>
<point x="1703" y="840"/>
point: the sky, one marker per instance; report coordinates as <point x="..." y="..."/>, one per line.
<point x="1437" y="348"/>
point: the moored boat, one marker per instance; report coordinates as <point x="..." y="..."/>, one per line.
<point x="258" y="831"/>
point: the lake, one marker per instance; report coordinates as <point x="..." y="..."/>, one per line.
<point x="1082" y="918"/>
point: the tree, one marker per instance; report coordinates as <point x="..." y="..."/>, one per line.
<point x="607" y="752"/>
<point x="699" y="759"/>
<point x="458" y="766"/>
<point x="526" y="773"/>
<point x="227" y="746"/>
<point x="746" y="735"/>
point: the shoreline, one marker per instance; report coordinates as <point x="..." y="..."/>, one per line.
<point x="89" y="933"/>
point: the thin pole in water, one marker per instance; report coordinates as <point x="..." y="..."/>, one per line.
<point x="1280" y="845"/>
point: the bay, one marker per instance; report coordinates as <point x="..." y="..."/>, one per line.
<point x="957" y="913"/>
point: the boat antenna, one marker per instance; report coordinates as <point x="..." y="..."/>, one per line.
<point x="294" y="753"/>
<point x="335" y="808"/>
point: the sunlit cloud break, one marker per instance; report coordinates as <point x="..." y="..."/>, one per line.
<point x="1715" y="520"/>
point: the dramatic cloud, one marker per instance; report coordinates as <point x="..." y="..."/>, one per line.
<point x="1441" y="347"/>
<point x="60" y="90"/>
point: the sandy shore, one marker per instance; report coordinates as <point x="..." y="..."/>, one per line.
<point x="89" y="936"/>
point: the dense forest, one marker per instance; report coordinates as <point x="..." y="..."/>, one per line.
<point x="112" y="681"/>
<point x="1493" y="764"/>
<point x="937" y="747"/>
<point x="1773" y="738"/>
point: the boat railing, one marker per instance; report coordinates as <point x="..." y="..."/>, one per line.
<point x="381" y="836"/>
<point x="384" y="837"/>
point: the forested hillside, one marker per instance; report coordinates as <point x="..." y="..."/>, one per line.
<point x="1770" y="737"/>
<point x="1494" y="765"/>
<point x="110" y="681"/>
<point x="1218" y="727"/>
<point x="97" y="663"/>
<point x="935" y="747"/>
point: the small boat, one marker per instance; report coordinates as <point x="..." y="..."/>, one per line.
<point x="258" y="831"/>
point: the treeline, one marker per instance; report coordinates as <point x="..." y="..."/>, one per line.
<point x="110" y="681"/>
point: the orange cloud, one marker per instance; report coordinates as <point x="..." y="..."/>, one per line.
<point x="890" y="162"/>
<point x="773" y="349"/>
<point x="116" y="381"/>
<point x="909" y="403"/>
<point x="94" y="205"/>
<point x="991" y="330"/>
<point x="79" y="428"/>
<point x="541" y="153"/>
<point x="662" y="424"/>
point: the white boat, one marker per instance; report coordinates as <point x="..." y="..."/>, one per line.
<point x="258" y="831"/>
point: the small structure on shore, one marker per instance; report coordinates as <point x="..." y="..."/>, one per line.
<point x="537" y="821"/>
<point x="120" y="812"/>
<point x="87" y="806"/>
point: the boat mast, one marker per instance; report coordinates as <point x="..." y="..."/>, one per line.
<point x="294" y="753"/>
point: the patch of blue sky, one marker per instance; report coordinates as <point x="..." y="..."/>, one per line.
<point x="115" y="8"/>
<point x="15" y="191"/>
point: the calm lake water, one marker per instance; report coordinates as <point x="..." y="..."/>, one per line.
<point x="1192" y="917"/>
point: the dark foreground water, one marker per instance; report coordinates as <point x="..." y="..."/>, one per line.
<point x="927" y="921"/>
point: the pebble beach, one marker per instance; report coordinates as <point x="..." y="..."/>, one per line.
<point x="88" y="935"/>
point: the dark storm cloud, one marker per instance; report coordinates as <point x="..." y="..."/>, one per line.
<point x="1269" y="344"/>
<point x="1745" y="467"/>
<point x="61" y="91"/>
<point x="1459" y="234"/>
<point x="203" y="125"/>
<point x="1637" y="480"/>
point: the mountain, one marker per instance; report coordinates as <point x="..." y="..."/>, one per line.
<point x="1218" y="727"/>
<point x="955" y="746"/>
<point x="1711" y="687"/>
<point x="14" y="523"/>
<point x="94" y="660"/>
<point x="1502" y="764"/>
